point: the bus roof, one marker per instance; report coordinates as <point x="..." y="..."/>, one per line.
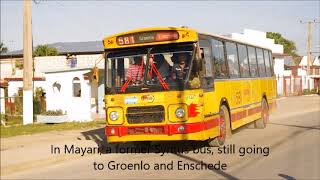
<point x="184" y="35"/>
<point x="110" y="42"/>
<point x="233" y="40"/>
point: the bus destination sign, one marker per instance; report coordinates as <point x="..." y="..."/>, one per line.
<point x="147" y="37"/>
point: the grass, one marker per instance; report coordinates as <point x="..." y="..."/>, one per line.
<point x="39" y="128"/>
<point x="11" y="120"/>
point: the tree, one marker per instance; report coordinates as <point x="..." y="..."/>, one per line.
<point x="45" y="50"/>
<point x="289" y="46"/>
<point x="3" y="49"/>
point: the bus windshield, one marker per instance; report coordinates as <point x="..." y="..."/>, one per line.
<point x="155" y="68"/>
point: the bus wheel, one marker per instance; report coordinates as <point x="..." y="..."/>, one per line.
<point x="262" y="122"/>
<point x="224" y="125"/>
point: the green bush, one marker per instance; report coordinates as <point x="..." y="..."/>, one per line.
<point x="305" y="92"/>
<point x="39" y="101"/>
<point x="313" y="91"/>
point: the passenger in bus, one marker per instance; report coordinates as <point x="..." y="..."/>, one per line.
<point x="180" y="68"/>
<point x="162" y="66"/>
<point x="135" y="69"/>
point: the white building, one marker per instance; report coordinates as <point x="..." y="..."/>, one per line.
<point x="310" y="81"/>
<point x="69" y="91"/>
<point x="50" y="69"/>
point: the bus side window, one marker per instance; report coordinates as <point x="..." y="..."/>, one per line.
<point x="243" y="61"/>
<point x="207" y="75"/>
<point x="267" y="62"/>
<point x="219" y="62"/>
<point x="261" y="65"/>
<point x="233" y="63"/>
<point x="271" y="63"/>
<point x="253" y="62"/>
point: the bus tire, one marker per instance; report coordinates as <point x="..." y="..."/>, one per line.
<point x="225" y="129"/>
<point x="263" y="121"/>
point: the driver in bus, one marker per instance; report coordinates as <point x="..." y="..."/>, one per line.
<point x="180" y="68"/>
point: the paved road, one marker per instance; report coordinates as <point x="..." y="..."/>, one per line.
<point x="289" y="148"/>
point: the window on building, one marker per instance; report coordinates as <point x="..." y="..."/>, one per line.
<point x="232" y="57"/>
<point x="253" y="62"/>
<point x="76" y="87"/>
<point x="261" y="65"/>
<point x="218" y="59"/>
<point x="243" y="61"/>
<point x="267" y="62"/>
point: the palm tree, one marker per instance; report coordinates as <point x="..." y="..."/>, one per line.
<point x="3" y="49"/>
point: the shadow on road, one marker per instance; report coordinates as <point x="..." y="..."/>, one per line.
<point x="287" y="177"/>
<point x="290" y="125"/>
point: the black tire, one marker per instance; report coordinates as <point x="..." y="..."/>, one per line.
<point x="225" y="129"/>
<point x="263" y="121"/>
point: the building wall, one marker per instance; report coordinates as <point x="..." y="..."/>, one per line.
<point x="258" y="38"/>
<point x="51" y="63"/>
<point x="307" y="81"/>
<point x="77" y="108"/>
<point x="13" y="86"/>
<point x="55" y="63"/>
<point x="2" y="101"/>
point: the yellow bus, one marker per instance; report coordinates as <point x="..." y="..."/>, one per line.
<point x="171" y="84"/>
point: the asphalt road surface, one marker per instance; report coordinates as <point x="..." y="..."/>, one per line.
<point x="289" y="148"/>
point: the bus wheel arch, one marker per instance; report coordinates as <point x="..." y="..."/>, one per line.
<point x="224" y="126"/>
<point x="264" y="96"/>
<point x="225" y="102"/>
<point x="262" y="122"/>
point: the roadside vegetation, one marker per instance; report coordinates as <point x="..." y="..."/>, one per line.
<point x="16" y="130"/>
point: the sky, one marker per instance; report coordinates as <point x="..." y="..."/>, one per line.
<point x="76" y="21"/>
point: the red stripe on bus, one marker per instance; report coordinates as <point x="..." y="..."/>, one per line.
<point x="254" y="110"/>
<point x="168" y="129"/>
<point x="171" y="129"/>
<point x="238" y="115"/>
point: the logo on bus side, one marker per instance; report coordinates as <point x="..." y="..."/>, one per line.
<point x="147" y="98"/>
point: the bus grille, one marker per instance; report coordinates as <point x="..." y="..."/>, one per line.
<point x="145" y="114"/>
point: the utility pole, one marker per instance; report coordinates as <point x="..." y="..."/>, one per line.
<point x="309" y="48"/>
<point x="309" y="42"/>
<point x="27" y="64"/>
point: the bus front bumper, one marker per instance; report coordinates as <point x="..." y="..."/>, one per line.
<point x="168" y="132"/>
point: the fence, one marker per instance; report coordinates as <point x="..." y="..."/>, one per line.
<point x="295" y="85"/>
<point x="13" y="108"/>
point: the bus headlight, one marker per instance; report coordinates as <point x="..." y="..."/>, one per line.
<point x="114" y="115"/>
<point x="180" y="112"/>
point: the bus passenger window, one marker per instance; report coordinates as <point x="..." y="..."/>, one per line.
<point x="232" y="56"/>
<point x="218" y="59"/>
<point x="207" y="62"/>
<point x="253" y="62"/>
<point x="261" y="65"/>
<point x="271" y="63"/>
<point x="243" y="61"/>
<point x="267" y="62"/>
